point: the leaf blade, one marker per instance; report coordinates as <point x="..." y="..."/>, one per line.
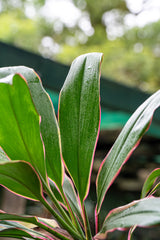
<point x="79" y="116"/>
<point x="144" y="212"/>
<point x="19" y="177"/>
<point x="19" y="124"/>
<point x="149" y="182"/>
<point x="125" y="144"/>
<point x="72" y="198"/>
<point x="49" y="126"/>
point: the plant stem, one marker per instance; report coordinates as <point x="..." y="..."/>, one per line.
<point x="53" y="232"/>
<point x="56" y="203"/>
<point x="86" y="223"/>
<point x="72" y="215"/>
<point x="63" y="223"/>
<point x="89" y="234"/>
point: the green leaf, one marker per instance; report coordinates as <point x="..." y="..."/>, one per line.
<point x="40" y="222"/>
<point x="149" y="182"/>
<point x="155" y="189"/>
<point x="12" y="217"/>
<point x="127" y="141"/>
<point x="144" y="212"/>
<point x="130" y="232"/>
<point x="16" y="233"/>
<point x="72" y="198"/>
<point x="79" y="117"/>
<point x="19" y="177"/>
<point x="19" y="124"/>
<point x="55" y="191"/>
<point x="49" y="126"/>
<point x="19" y="230"/>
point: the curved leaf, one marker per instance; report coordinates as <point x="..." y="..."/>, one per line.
<point x="79" y="117"/>
<point x="131" y="231"/>
<point x="49" y="126"/>
<point x="19" y="230"/>
<point x="71" y="196"/>
<point x="127" y="141"/>
<point x="19" y="177"/>
<point x="40" y="222"/>
<point x="144" y="212"/>
<point x="149" y="182"/>
<point x="16" y="233"/>
<point x="19" y="124"/>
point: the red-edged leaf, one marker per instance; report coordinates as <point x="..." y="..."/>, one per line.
<point x="72" y="198"/>
<point x="19" y="124"/>
<point x="149" y="182"/>
<point x="16" y="233"/>
<point x="48" y="126"/>
<point x="20" y="177"/>
<point x="44" y="224"/>
<point x="17" y="230"/>
<point x="131" y="231"/>
<point x="127" y="141"/>
<point x="79" y="117"/>
<point x="144" y="212"/>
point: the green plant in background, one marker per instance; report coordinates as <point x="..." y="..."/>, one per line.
<point x="51" y="161"/>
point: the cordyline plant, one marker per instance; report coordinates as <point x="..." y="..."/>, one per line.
<point x="51" y="161"/>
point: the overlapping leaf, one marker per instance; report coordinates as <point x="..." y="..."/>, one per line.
<point x="149" y="182"/>
<point x="79" y="116"/>
<point x="49" y="127"/>
<point x="142" y="213"/>
<point x="19" y="230"/>
<point x="46" y="224"/>
<point x="16" y="233"/>
<point x="19" y="177"/>
<point x="71" y="196"/>
<point x="125" y="144"/>
<point x="19" y="124"/>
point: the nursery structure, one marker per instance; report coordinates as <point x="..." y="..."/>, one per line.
<point x="118" y="102"/>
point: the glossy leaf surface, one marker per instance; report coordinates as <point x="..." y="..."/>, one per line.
<point x="17" y="230"/>
<point x="19" y="124"/>
<point x="144" y="212"/>
<point x="127" y="141"/>
<point x="49" y="127"/>
<point x="16" y="233"/>
<point x="70" y="194"/>
<point x="13" y="217"/>
<point x="149" y="182"/>
<point x="79" y="116"/>
<point x="46" y="224"/>
<point x="72" y="198"/>
<point x="19" y="177"/>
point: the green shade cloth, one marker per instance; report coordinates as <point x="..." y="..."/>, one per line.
<point x="110" y="119"/>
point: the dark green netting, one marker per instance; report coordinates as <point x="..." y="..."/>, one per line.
<point x="110" y="119"/>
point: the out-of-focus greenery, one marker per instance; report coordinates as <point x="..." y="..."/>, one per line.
<point x="132" y="58"/>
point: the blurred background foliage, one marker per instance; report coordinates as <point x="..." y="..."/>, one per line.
<point x="131" y="54"/>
